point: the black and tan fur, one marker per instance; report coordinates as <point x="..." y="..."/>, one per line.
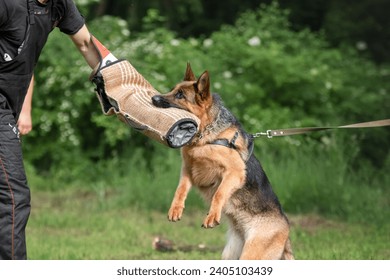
<point x="220" y="164"/>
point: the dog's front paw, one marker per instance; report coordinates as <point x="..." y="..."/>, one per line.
<point x="175" y="213"/>
<point x="212" y="220"/>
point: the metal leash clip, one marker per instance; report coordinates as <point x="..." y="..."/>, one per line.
<point x="260" y="134"/>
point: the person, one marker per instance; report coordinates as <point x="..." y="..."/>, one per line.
<point x="24" y="28"/>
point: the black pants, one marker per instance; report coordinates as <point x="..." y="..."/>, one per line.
<point x="14" y="192"/>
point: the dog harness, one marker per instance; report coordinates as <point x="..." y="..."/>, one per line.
<point x="225" y="142"/>
<point x="232" y="144"/>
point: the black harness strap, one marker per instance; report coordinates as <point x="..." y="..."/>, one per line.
<point x="225" y="142"/>
<point x="232" y="144"/>
<point x="251" y="146"/>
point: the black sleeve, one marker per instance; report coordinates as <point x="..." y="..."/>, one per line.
<point x="71" y="20"/>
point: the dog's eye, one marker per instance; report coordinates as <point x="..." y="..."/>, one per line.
<point x="179" y="94"/>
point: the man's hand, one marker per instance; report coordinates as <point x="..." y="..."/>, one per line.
<point x="24" y="123"/>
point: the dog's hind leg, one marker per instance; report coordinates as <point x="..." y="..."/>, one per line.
<point x="234" y="245"/>
<point x="266" y="240"/>
<point x="288" y="253"/>
<point x="230" y="183"/>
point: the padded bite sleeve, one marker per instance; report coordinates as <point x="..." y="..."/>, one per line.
<point x="123" y="91"/>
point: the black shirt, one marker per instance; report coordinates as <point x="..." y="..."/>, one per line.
<point x="13" y="22"/>
<point x="22" y="38"/>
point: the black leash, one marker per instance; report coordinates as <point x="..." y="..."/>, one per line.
<point x="294" y="131"/>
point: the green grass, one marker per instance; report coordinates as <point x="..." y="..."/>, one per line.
<point x="75" y="224"/>
<point x="114" y="210"/>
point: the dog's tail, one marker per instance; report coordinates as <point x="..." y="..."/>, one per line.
<point x="288" y="253"/>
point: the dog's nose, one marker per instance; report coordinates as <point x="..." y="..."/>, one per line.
<point x="159" y="101"/>
<point x="156" y="99"/>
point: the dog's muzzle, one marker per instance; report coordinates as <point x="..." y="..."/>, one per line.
<point x="160" y="102"/>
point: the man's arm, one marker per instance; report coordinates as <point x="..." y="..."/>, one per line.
<point x="25" y="120"/>
<point x="82" y="40"/>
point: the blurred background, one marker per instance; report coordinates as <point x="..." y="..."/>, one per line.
<point x="276" y="64"/>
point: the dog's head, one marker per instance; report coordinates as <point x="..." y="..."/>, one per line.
<point x="191" y="94"/>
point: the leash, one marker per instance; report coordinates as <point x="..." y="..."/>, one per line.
<point x="303" y="130"/>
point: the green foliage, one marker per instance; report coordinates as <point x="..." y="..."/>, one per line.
<point x="363" y="24"/>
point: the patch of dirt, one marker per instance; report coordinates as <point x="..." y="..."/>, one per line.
<point x="312" y="223"/>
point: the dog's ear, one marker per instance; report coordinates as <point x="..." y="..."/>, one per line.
<point x="203" y="86"/>
<point x="189" y="75"/>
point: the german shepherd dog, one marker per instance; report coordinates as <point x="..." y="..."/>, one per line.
<point x="220" y="162"/>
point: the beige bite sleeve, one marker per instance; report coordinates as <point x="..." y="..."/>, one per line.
<point x="123" y="91"/>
